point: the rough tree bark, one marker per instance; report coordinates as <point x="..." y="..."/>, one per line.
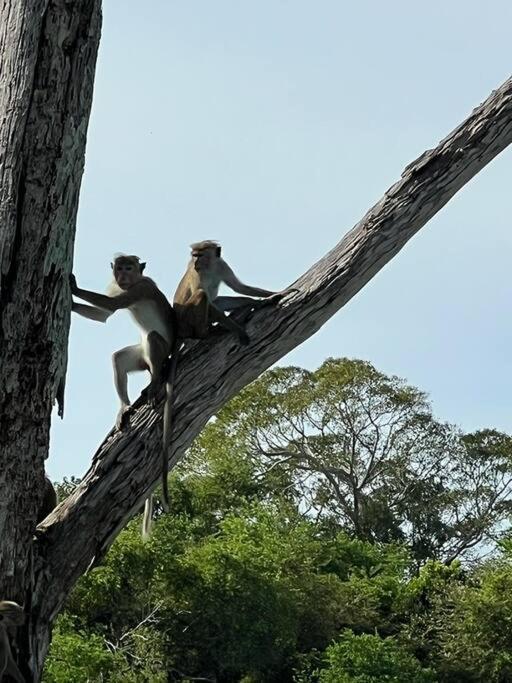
<point x="47" y="60"/>
<point x="40" y="173"/>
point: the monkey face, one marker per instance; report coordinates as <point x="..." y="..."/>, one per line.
<point x="202" y="259"/>
<point x="126" y="272"/>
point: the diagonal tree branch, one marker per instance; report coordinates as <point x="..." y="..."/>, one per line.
<point x="126" y="465"/>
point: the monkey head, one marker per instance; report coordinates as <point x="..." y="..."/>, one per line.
<point x="204" y="254"/>
<point x="11" y="614"/>
<point x="127" y="270"/>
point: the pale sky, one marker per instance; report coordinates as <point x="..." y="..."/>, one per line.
<point x="273" y="126"/>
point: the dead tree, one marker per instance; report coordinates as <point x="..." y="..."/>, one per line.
<point x="47" y="61"/>
<point x="47" y="57"/>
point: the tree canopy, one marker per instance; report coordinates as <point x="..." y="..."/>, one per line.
<point x="352" y="445"/>
<point x="269" y="571"/>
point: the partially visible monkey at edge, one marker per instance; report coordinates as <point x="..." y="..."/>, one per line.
<point x="156" y="319"/>
<point x="11" y="616"/>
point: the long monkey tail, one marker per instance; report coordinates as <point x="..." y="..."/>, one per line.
<point x="147" y="518"/>
<point x="167" y="431"/>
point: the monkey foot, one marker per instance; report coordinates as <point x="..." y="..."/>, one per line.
<point x="151" y="393"/>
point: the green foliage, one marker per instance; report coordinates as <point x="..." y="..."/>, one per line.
<point x="370" y="659"/>
<point x="77" y="656"/>
<point x="364" y="450"/>
<point x="83" y="656"/>
<point x="143" y="658"/>
<point x="66" y="487"/>
<point x="312" y="538"/>
<point x="477" y="633"/>
<point x="265" y="586"/>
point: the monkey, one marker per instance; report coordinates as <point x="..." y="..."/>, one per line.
<point x="196" y="300"/>
<point x="156" y="318"/>
<point x="197" y="304"/>
<point x="49" y="502"/>
<point x="11" y="616"/>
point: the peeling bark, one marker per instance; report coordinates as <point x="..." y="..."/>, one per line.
<point x="47" y="61"/>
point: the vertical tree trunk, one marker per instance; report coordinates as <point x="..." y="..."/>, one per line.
<point x="47" y="62"/>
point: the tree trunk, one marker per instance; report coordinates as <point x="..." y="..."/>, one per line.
<point x="47" y="57"/>
<point x="48" y="53"/>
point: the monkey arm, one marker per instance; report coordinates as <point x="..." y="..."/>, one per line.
<point x="108" y="303"/>
<point x="236" y="285"/>
<point x="227" y="323"/>
<point x="91" y="312"/>
<point x="135" y="293"/>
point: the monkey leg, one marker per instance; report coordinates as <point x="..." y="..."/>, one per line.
<point x="156" y="352"/>
<point x="129" y="359"/>
<point x="193" y="316"/>
<point x="228" y="324"/>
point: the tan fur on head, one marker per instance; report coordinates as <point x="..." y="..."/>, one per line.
<point x="130" y="259"/>
<point x="206" y="244"/>
<point x="126" y="258"/>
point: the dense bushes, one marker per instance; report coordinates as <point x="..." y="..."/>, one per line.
<point x="313" y="537"/>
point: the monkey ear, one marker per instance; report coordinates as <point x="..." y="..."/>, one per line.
<point x="218" y="251"/>
<point x="112" y="265"/>
<point x="142" y="266"/>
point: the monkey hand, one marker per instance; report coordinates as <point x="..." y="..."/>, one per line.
<point x="72" y="284"/>
<point x="274" y="298"/>
<point x="290" y="290"/>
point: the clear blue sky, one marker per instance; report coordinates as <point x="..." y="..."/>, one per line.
<point x="273" y="126"/>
